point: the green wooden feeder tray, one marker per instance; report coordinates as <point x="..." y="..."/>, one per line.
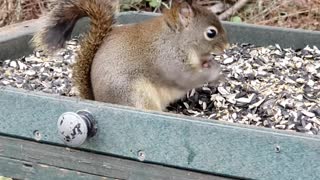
<point x="138" y="145"/>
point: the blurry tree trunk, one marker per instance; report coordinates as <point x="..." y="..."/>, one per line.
<point x="234" y="9"/>
<point x="7" y="11"/>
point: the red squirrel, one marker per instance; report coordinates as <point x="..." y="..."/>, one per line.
<point x="146" y="65"/>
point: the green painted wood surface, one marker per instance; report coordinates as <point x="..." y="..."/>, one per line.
<point x="179" y="141"/>
<point x="23" y="158"/>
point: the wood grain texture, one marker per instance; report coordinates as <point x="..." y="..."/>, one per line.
<point x="24" y="159"/>
<point x="18" y="169"/>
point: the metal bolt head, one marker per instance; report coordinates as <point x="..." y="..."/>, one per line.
<point x="37" y="135"/>
<point x="141" y="155"/>
<point x="277" y="149"/>
<point x="72" y="129"/>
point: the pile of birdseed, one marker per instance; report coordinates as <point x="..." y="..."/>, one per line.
<point x="39" y="72"/>
<point x="264" y="86"/>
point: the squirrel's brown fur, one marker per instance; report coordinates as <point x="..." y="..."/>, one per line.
<point x="145" y="65"/>
<point x="58" y="29"/>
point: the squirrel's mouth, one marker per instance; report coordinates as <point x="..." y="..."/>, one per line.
<point x="202" y="61"/>
<point x="207" y="61"/>
<point x="206" y="64"/>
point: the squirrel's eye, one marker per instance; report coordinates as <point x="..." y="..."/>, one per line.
<point x="210" y="33"/>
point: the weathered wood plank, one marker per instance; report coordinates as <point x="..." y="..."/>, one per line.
<point x="268" y="35"/>
<point x="180" y="141"/>
<point x="26" y="159"/>
<point x="25" y="170"/>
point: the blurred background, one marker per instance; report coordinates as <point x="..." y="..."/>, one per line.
<point x="299" y="14"/>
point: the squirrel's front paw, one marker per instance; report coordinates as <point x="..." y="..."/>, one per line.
<point x="211" y="68"/>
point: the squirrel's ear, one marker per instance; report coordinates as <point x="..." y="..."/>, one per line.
<point x="185" y="13"/>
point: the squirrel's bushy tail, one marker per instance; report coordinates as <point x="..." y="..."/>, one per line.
<point x="58" y="29"/>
